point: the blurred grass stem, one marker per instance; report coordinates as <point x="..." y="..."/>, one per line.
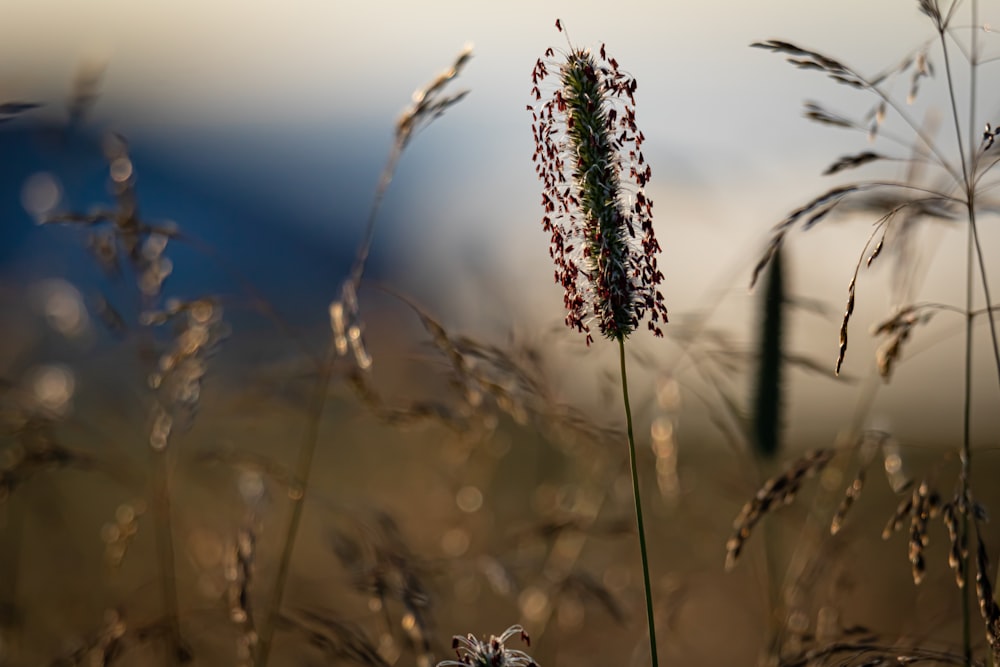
<point x="165" y="554"/>
<point x="297" y="494"/>
<point x="429" y="102"/>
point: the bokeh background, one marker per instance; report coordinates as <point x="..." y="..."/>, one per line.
<point x="274" y="120"/>
<point x="262" y="128"/>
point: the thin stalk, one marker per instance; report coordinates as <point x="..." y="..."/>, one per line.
<point x="973" y="242"/>
<point x="973" y="81"/>
<point x="165" y="555"/>
<point x="429" y="103"/>
<point x="988" y="311"/>
<point x="385" y="179"/>
<point x="918" y="130"/>
<point x="775" y="611"/>
<point x="638" y="506"/>
<point x="974" y="229"/>
<point x="297" y="494"/>
<point x="954" y="110"/>
<point x="163" y="530"/>
<point x="965" y="453"/>
<point x="304" y="465"/>
<point x="971" y="192"/>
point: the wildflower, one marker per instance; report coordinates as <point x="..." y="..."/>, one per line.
<point x="588" y="156"/>
<point x="474" y="652"/>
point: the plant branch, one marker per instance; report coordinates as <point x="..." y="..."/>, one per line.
<point x="965" y="453"/>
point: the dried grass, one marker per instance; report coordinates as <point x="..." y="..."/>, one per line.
<point x="898" y="205"/>
<point x="778" y="491"/>
<point x="486" y="382"/>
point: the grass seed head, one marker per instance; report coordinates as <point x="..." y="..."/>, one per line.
<point x="778" y="491"/>
<point x="957" y="551"/>
<point x="473" y="652"/>
<point x="588" y="155"/>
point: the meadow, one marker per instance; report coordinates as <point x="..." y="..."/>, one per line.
<point x="201" y="465"/>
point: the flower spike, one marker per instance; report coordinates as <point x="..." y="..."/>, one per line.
<point x="588" y="155"/>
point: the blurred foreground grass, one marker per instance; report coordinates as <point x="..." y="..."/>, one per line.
<point x="414" y="533"/>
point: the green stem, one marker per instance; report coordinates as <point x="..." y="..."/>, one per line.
<point x="638" y="506"/>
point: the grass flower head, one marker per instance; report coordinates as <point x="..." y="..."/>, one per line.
<point x="588" y="156"/>
<point x="473" y="652"/>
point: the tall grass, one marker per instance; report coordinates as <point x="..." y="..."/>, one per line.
<point x="514" y="504"/>
<point x="429" y="103"/>
<point x="959" y="166"/>
<point x="588" y="156"/>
